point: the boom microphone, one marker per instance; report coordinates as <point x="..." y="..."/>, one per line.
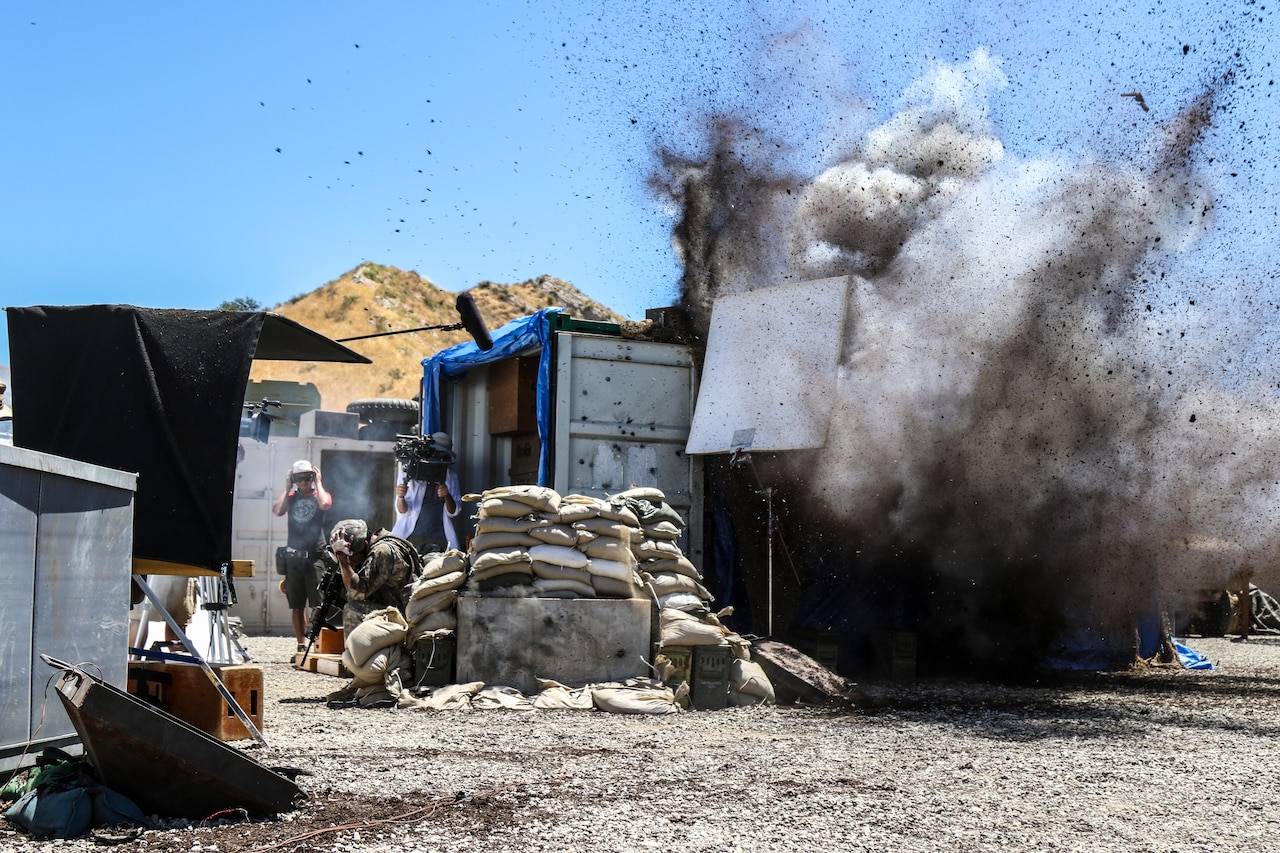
<point x="469" y="314"/>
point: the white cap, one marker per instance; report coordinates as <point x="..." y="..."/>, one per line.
<point x="302" y="466"/>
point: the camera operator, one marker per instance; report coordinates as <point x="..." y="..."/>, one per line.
<point x="305" y="501"/>
<point x="425" y="510"/>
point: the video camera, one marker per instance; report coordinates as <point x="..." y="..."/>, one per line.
<point x="423" y="459"/>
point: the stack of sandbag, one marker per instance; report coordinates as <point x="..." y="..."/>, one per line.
<point x="500" y="557"/>
<point x="374" y="650"/>
<point x="605" y="532"/>
<point x="433" y="595"/>
<point x="662" y="565"/>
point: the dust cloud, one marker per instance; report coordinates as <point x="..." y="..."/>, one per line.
<point x="1009" y="404"/>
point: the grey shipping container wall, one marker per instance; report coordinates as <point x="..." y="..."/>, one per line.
<point x="66" y="558"/>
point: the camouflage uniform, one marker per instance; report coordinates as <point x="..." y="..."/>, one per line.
<point x="381" y="579"/>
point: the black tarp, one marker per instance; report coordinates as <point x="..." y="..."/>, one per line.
<point x="156" y="391"/>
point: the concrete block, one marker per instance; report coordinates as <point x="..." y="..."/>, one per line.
<point x="512" y="642"/>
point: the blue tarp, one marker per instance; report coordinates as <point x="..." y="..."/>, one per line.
<point x="518" y="336"/>
<point x="1190" y="658"/>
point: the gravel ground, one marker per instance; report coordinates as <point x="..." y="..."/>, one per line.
<point x="1154" y="759"/>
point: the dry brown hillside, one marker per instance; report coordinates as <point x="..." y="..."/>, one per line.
<point x="374" y="298"/>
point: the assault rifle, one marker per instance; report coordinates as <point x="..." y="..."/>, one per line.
<point x="332" y="596"/>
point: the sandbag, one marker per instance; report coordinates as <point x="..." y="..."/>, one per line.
<point x="444" y="563"/>
<point x="641" y="493"/>
<point x="555" y="534"/>
<point x="501" y="540"/>
<point x="608" y="548"/>
<point x="635" y="698"/>
<point x="435" y="621"/>
<point x="419" y="608"/>
<point x="499" y="524"/>
<point x="539" y="498"/>
<point x="666" y="583"/>
<point x="611" y="569"/>
<point x="450" y="697"/>
<point x="547" y="588"/>
<point x="373" y="670"/>
<point x="686" y="601"/>
<point x="678" y="628"/>
<point x="678" y="565"/>
<point x="380" y="629"/>
<point x="492" y="698"/>
<point x="493" y="570"/>
<point x="619" y="513"/>
<point x="612" y="587"/>
<point x="748" y="680"/>
<point x="483" y="562"/>
<point x="560" y="555"/>
<point x="430" y="586"/>
<point x="552" y="572"/>
<point x="571" y="512"/>
<point x="501" y="508"/>
<point x="656" y="549"/>
<point x="661" y="530"/>
<point x="605" y="527"/>
<point x="554" y="696"/>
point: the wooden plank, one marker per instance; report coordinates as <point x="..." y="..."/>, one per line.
<point x="238" y="569"/>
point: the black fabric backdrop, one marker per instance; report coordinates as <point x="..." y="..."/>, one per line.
<point x="154" y="391"/>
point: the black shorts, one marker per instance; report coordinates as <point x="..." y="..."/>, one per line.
<point x="302" y="581"/>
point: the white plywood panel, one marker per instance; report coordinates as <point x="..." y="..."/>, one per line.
<point x="771" y="363"/>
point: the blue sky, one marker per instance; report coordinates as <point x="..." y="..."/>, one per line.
<point x="179" y="155"/>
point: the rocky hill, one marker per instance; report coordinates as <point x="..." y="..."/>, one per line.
<point x="373" y="298"/>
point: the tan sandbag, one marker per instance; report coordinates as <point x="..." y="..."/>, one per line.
<point x="680" y="566"/>
<point x="493" y="698"/>
<point x="611" y="569"/>
<point x="498" y="524"/>
<point x="678" y="628"/>
<point x="418" y="608"/>
<point x="604" y="527"/>
<point x="608" y="548"/>
<point x="445" y="563"/>
<point x="748" y="678"/>
<point x="552" y="572"/>
<point x="380" y="629"/>
<point x="450" y="697"/>
<point x="571" y="512"/>
<point x="554" y="696"/>
<point x="560" y="555"/>
<point x="656" y="549"/>
<point x="621" y="514"/>
<point x="501" y="541"/>
<point x="613" y="588"/>
<point x="539" y="498"/>
<point x="640" y="698"/>
<point x="522" y="567"/>
<point x="430" y="586"/>
<point x="661" y="530"/>
<point x="481" y="562"/>
<point x="438" y="620"/>
<point x="555" y="534"/>
<point x="651" y="494"/>
<point x="378" y="664"/>
<point x="549" y="588"/>
<point x="501" y="508"/>
<point x="666" y="583"/>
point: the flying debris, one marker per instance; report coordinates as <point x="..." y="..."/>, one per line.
<point x="1138" y="99"/>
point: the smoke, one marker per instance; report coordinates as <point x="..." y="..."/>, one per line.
<point x="1008" y="401"/>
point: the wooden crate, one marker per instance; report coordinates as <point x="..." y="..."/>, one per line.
<point x="185" y="691"/>
<point x="330" y="642"/>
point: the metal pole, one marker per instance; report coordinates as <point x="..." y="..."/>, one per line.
<point x="768" y="493"/>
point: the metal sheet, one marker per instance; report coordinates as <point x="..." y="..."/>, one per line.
<point x="771" y="362"/>
<point x="166" y="766"/>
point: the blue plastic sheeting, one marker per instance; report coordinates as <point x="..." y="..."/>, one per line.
<point x="1190" y="658"/>
<point x="518" y="336"/>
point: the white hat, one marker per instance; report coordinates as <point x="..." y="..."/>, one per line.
<point x="302" y="466"/>
<point x="442" y="439"/>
